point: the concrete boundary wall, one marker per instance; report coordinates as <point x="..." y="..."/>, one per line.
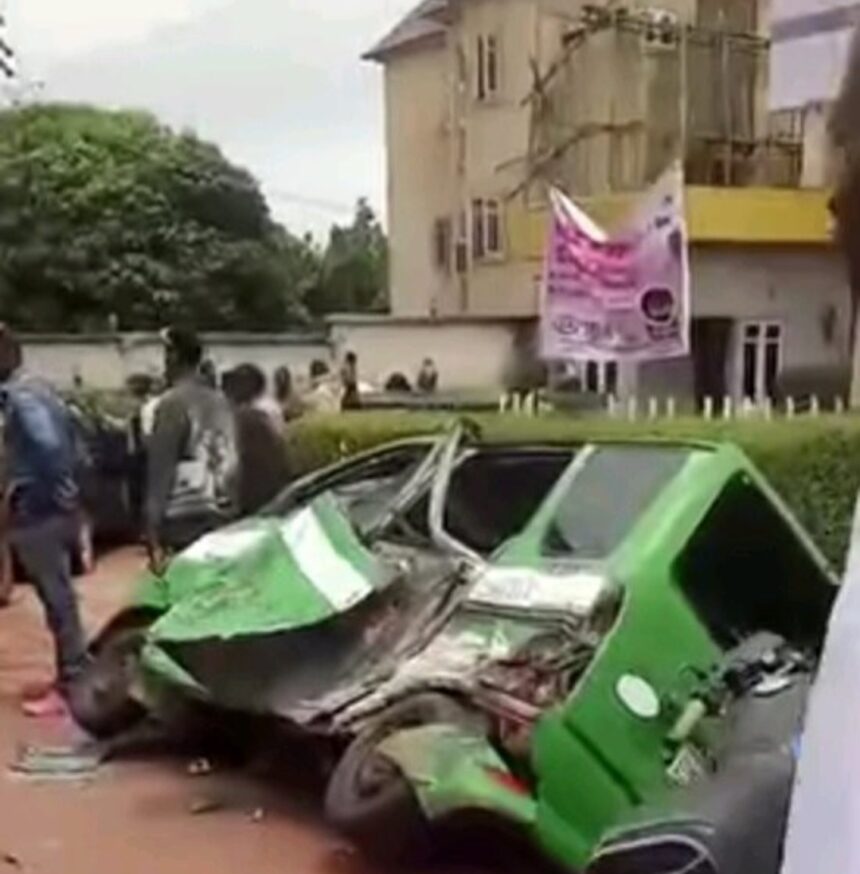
<point x="106" y="361"/>
<point x="469" y="353"/>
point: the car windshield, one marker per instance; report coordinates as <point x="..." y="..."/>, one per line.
<point x="612" y="487"/>
<point x="388" y="486"/>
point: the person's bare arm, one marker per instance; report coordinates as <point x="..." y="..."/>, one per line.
<point x="165" y="447"/>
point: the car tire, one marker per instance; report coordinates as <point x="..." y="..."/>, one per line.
<point x="100" y="699"/>
<point x="383" y="816"/>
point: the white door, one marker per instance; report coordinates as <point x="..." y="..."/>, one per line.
<point x="760" y="359"/>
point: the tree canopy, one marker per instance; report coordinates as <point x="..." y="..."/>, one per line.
<point x="354" y="267"/>
<point x="111" y="218"/>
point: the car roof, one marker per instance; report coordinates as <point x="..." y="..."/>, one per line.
<point x="552" y="444"/>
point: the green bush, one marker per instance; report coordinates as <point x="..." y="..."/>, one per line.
<point x="813" y="463"/>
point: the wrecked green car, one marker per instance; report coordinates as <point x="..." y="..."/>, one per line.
<point x="568" y="638"/>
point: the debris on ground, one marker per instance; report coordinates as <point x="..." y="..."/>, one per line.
<point x="200" y="768"/>
<point x="202" y="806"/>
<point x="57" y="763"/>
<point x="11" y="860"/>
<point x="258" y="815"/>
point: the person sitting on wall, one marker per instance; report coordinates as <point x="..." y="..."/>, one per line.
<point x="428" y="377"/>
<point x="350" y="397"/>
<point x="323" y="396"/>
<point x="397" y="383"/>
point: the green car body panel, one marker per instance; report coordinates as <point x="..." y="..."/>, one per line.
<point x="592" y="757"/>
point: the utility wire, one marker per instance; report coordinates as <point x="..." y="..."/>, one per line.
<point x="329" y="206"/>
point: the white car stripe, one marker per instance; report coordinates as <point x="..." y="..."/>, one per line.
<point x="328" y="571"/>
<point x="223" y="545"/>
<point x="522" y="589"/>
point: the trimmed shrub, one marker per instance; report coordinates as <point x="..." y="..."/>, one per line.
<point x="813" y="463"/>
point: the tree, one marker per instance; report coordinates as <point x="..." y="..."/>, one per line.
<point x="354" y="272"/>
<point x="110" y="217"/>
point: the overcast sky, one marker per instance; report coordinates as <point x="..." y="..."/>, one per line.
<point x="278" y="84"/>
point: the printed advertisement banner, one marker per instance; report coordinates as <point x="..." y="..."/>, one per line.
<point x="619" y="297"/>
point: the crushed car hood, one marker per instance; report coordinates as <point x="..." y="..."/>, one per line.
<point x="434" y="629"/>
<point x="270" y="575"/>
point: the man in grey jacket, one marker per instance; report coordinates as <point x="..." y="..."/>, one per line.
<point x="192" y="455"/>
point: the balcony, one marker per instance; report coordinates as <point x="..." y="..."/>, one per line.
<point x="742" y="216"/>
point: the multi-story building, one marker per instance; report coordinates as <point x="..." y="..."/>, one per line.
<point x="490" y="101"/>
<point x="458" y="128"/>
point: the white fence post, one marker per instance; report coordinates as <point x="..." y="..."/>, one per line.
<point x="653" y="409"/>
<point x="708" y="408"/>
<point x="768" y="409"/>
<point x="632" y="408"/>
<point x="728" y="407"/>
<point x="612" y="406"/>
<point x="839" y="406"/>
<point x="790" y="408"/>
<point x="814" y="406"/>
<point x="671" y="407"/>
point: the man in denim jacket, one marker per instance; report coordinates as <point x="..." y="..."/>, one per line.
<point x="43" y="506"/>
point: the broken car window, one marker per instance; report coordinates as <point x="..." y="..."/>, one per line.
<point x="613" y="488"/>
<point x="376" y="480"/>
<point x="493" y="494"/>
<point x="744" y="570"/>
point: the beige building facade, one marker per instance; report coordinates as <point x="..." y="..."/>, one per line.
<point x="488" y="102"/>
<point x="457" y="77"/>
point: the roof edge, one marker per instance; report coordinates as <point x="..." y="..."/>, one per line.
<point x="418" y="27"/>
<point x="381" y="54"/>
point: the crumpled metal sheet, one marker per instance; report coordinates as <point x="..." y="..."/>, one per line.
<point x="448" y="766"/>
<point x="269" y="575"/>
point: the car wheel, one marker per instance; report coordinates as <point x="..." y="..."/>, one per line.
<point x="100" y="699"/>
<point x="368" y="797"/>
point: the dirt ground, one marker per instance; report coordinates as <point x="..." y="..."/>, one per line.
<point x="148" y="816"/>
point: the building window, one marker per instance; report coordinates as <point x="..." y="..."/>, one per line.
<point x="600" y="377"/>
<point x="487" y="67"/>
<point x="462" y="70"/>
<point x="486" y="229"/>
<point x="479" y="237"/>
<point x="462" y="251"/>
<point x="442" y="244"/>
<point x="761" y="359"/>
<point x="462" y="145"/>
<point x="493" y="227"/>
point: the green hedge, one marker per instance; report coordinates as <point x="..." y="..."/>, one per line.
<point x="813" y="463"/>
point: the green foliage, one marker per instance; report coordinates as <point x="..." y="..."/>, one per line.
<point x="108" y="219"/>
<point x="353" y="268"/>
<point x="813" y="463"/>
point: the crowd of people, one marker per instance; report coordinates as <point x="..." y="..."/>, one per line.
<point x="205" y="448"/>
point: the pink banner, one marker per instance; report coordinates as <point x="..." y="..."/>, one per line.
<point x="621" y="297"/>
